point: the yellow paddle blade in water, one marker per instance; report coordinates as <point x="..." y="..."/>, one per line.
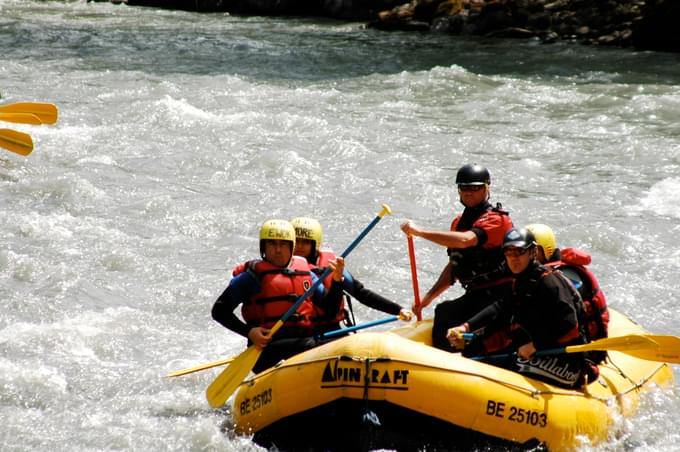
<point x="666" y="351"/>
<point x="46" y="112"/>
<point x="226" y="383"/>
<point x="651" y="347"/>
<point x="619" y="343"/>
<point x="21" y="118"/>
<point x="18" y="142"/>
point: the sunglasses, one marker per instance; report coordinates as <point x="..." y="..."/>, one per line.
<point x="515" y="252"/>
<point x="470" y="187"/>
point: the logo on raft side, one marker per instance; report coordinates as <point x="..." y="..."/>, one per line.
<point x="335" y="375"/>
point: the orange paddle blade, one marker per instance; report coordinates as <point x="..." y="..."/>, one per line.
<point x="21" y="118"/>
<point x="46" y="112"/>
<point x="18" y="142"/>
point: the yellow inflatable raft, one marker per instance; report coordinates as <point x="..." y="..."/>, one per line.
<point x="392" y="390"/>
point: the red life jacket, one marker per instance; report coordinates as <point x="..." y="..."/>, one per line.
<point x="494" y="221"/>
<point x="573" y="264"/>
<point x="480" y="266"/>
<point x="279" y="290"/>
<point x="322" y="263"/>
<point x="321" y="317"/>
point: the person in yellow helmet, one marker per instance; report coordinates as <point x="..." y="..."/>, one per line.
<point x="308" y="239"/>
<point x="573" y="262"/>
<point x="266" y="288"/>
<point x="542" y="313"/>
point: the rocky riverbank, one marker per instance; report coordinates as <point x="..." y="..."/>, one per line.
<point x="640" y="24"/>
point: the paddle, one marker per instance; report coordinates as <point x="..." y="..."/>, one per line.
<point x="18" y="142"/>
<point x="414" y="277"/>
<point x="633" y="344"/>
<point x="47" y="113"/>
<point x="329" y="334"/>
<point x="21" y="118"/>
<point x="361" y="326"/>
<point x="667" y="350"/>
<point x="625" y="344"/>
<point x="226" y="383"/>
<point x="200" y="367"/>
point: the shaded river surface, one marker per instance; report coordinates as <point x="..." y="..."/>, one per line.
<point x="180" y="133"/>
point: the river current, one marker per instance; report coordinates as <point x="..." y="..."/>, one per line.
<point x="179" y="133"/>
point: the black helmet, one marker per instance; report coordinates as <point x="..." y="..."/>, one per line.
<point x="519" y="238"/>
<point x="472" y="174"/>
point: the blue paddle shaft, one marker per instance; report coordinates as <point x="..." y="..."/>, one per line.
<point x="361" y="326"/>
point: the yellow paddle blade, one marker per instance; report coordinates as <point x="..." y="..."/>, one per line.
<point x="620" y="343"/>
<point x="667" y="350"/>
<point x="226" y="383"/>
<point x="47" y="113"/>
<point x="191" y="370"/>
<point x="14" y="141"/>
<point x="21" y="118"/>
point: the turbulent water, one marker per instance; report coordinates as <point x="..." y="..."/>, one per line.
<point x="180" y="133"/>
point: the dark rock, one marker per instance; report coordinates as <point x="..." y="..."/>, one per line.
<point x="583" y="31"/>
<point x="539" y="21"/>
<point x="493" y="17"/>
<point x="425" y="10"/>
<point x="608" y="39"/>
<point x="549" y="38"/>
<point x="449" y="24"/>
<point x="556" y="5"/>
<point x="658" y="27"/>
<point x="187" y="5"/>
<point x="645" y="24"/>
<point x="512" y="32"/>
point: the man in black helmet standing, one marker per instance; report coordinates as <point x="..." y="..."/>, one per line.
<point x="475" y="256"/>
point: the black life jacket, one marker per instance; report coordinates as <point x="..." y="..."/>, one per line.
<point x="483" y="265"/>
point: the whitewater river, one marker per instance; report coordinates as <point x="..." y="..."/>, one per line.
<point x="180" y="133"/>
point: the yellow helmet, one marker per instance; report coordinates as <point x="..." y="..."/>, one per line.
<point x="545" y="238"/>
<point x="308" y="228"/>
<point x="277" y="230"/>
